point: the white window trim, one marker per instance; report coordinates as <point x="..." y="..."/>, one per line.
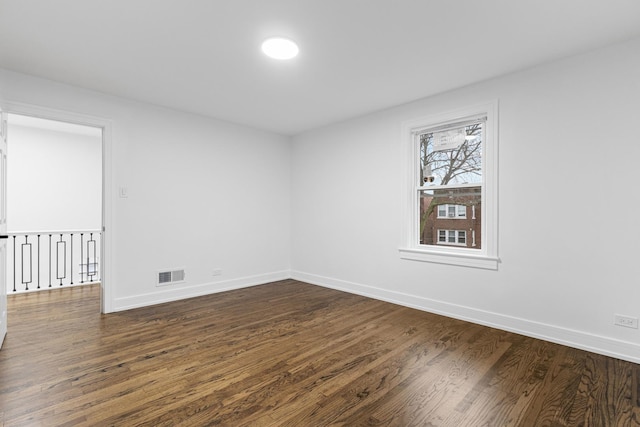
<point x="487" y="256"/>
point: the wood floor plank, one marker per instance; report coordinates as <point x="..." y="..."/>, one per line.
<point x="605" y="394"/>
<point x="292" y="354"/>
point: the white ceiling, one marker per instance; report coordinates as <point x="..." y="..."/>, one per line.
<point x="357" y="56"/>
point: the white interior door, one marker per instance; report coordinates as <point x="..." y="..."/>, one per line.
<point x="3" y="226"/>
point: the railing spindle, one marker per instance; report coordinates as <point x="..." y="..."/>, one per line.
<point x="49" y="260"/>
<point x="14" y="263"/>
<point x="26" y="248"/>
<point x="81" y="258"/>
<point x="91" y="272"/>
<point x="71" y="268"/>
<point x="60" y="244"/>
<point x="38" y="261"/>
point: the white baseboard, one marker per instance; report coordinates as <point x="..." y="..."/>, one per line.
<point x="168" y="294"/>
<point x="594" y="343"/>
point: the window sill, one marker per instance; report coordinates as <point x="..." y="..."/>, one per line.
<point x="450" y="258"/>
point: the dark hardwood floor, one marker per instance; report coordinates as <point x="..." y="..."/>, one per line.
<point x="292" y="354"/>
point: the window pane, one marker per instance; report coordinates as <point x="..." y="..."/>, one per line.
<point x="456" y="161"/>
<point x="434" y="228"/>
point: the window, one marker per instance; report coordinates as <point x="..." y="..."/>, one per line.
<point x="453" y="237"/>
<point x="451" y="188"/>
<point x="452" y="211"/>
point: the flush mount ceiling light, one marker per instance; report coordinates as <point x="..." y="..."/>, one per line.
<point x="280" y="48"/>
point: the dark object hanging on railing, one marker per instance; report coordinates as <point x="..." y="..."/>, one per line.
<point x="62" y="254"/>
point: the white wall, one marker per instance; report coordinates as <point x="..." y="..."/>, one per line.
<point x="568" y="153"/>
<point x="203" y="194"/>
<point x="54" y="180"/>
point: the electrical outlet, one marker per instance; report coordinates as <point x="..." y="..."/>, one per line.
<point x="626" y="321"/>
<point x="218" y="272"/>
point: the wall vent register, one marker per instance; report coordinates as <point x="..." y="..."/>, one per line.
<point x="170" y="277"/>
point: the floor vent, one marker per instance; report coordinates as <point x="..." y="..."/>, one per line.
<point x="170" y="277"/>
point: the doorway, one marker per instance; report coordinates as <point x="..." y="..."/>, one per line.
<point x="54" y="188"/>
<point x="68" y="212"/>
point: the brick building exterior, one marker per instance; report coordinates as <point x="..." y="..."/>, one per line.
<point x="451" y="218"/>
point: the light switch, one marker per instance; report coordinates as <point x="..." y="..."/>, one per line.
<point x="123" y="192"/>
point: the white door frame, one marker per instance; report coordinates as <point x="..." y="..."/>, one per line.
<point x="3" y="226"/>
<point x="107" y="182"/>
